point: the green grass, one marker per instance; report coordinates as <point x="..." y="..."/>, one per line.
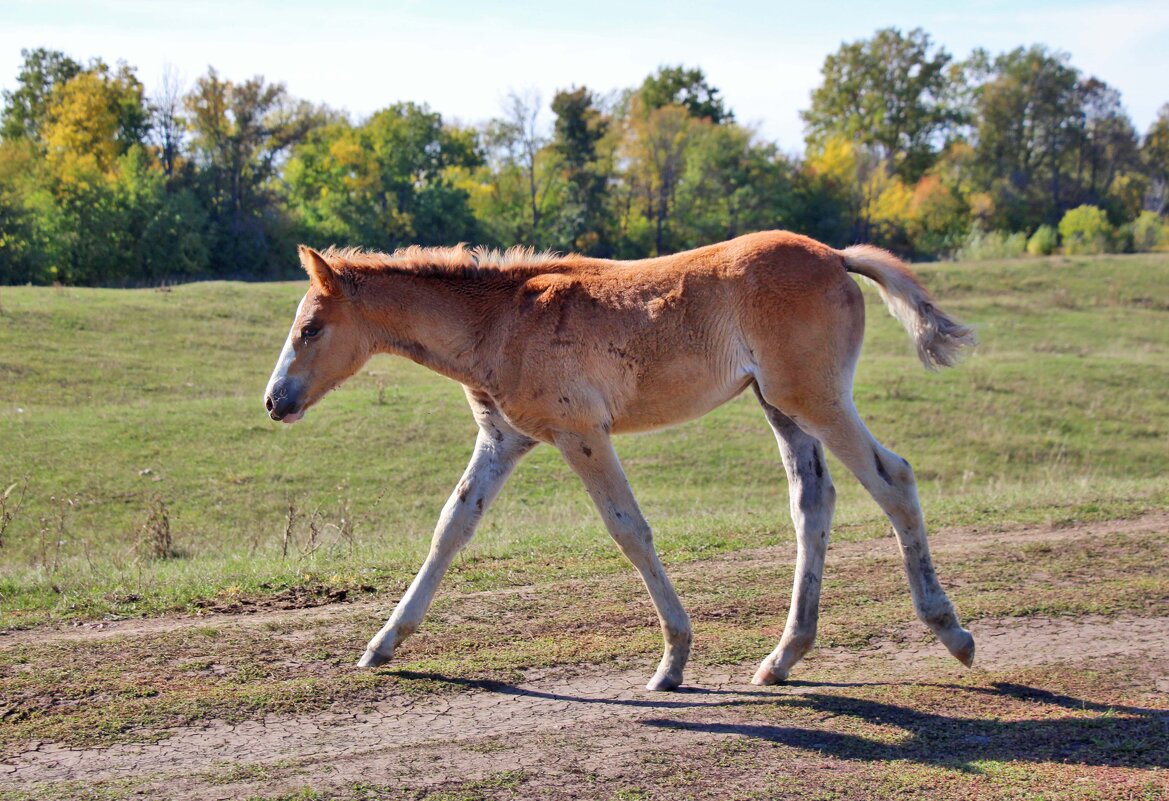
<point x="112" y="401"/>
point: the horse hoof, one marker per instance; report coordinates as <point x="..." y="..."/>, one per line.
<point x="372" y="659"/>
<point x="962" y="647"/>
<point x="765" y="677"/>
<point x="663" y="682"/>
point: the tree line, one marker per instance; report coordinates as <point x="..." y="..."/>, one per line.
<point x="906" y="146"/>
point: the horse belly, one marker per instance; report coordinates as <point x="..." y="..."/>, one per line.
<point x="677" y="392"/>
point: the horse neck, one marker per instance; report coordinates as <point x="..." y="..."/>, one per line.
<point x="427" y="320"/>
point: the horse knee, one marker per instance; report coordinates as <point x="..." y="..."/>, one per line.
<point x="892" y="469"/>
<point x="633" y="534"/>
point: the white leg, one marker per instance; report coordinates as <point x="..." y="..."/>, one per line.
<point x="498" y="448"/>
<point x="889" y="479"/>
<point x="812" y="500"/>
<point x="595" y="461"/>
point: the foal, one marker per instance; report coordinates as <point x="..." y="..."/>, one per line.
<point x="570" y="350"/>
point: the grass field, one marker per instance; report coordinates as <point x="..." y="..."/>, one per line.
<point x="131" y="424"/>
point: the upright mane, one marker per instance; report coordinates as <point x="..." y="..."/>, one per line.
<point x="459" y="261"/>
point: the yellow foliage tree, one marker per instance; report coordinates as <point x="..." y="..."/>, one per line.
<point x="656" y="144"/>
<point x="94" y="118"/>
<point x="877" y="201"/>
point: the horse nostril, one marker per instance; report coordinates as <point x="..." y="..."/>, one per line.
<point x="268" y="403"/>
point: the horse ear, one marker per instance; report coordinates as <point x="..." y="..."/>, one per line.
<point x="322" y="276"/>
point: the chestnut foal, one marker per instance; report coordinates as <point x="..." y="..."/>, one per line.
<point x="571" y="350"/>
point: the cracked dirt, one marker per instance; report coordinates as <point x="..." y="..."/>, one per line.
<point x="593" y="731"/>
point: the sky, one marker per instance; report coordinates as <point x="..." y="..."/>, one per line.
<point x="462" y="57"/>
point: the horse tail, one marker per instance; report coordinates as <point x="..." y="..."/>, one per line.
<point x="938" y="337"/>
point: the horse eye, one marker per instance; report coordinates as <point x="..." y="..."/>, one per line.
<point x="309" y="331"/>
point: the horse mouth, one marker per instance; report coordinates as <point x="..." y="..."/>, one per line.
<point x="292" y="417"/>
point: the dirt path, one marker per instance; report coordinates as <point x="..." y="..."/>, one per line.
<point x="558" y="732"/>
<point x="387" y="739"/>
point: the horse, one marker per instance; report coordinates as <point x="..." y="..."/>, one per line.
<point x="569" y="350"/>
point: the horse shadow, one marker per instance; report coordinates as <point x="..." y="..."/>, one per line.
<point x="1059" y="729"/>
<point x="1115" y="736"/>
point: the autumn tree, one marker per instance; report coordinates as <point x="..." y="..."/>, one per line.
<point x="889" y="93"/>
<point x="655" y="146"/>
<point x="25" y="107"/>
<point x="94" y="118"/>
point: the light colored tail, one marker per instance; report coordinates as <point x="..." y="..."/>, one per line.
<point x="937" y="336"/>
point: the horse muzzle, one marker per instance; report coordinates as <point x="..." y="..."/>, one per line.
<point x="283" y="402"/>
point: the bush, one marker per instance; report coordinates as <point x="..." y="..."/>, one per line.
<point x="1149" y="232"/>
<point x="1085" y="230"/>
<point x="983" y="245"/>
<point x="1043" y="241"/>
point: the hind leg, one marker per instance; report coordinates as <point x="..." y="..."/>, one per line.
<point x="889" y="479"/>
<point x="812" y="500"/>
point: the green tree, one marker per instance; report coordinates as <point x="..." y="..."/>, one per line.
<point x="733" y="185"/>
<point x="24" y="107"/>
<point x="385" y="183"/>
<point x="1028" y="124"/>
<point x="524" y="172"/>
<point x="164" y="233"/>
<point x="688" y="88"/>
<point x="1107" y="145"/>
<point x="889" y="92"/>
<point x="1155" y="162"/>
<point x="1043" y="242"/>
<point x="1149" y="232"/>
<point x="239" y="134"/>
<point x="583" y="221"/>
<point x="26" y="250"/>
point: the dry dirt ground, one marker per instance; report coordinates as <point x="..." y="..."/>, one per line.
<point x="1056" y="707"/>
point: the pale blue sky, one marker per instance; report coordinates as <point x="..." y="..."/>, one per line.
<point x="461" y="57"/>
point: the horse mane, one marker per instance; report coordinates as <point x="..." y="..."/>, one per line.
<point x="459" y="261"/>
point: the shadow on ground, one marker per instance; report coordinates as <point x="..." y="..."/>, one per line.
<point x="1055" y="728"/>
<point x="1114" y="735"/>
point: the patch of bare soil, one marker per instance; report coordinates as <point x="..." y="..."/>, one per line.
<point x="582" y="725"/>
